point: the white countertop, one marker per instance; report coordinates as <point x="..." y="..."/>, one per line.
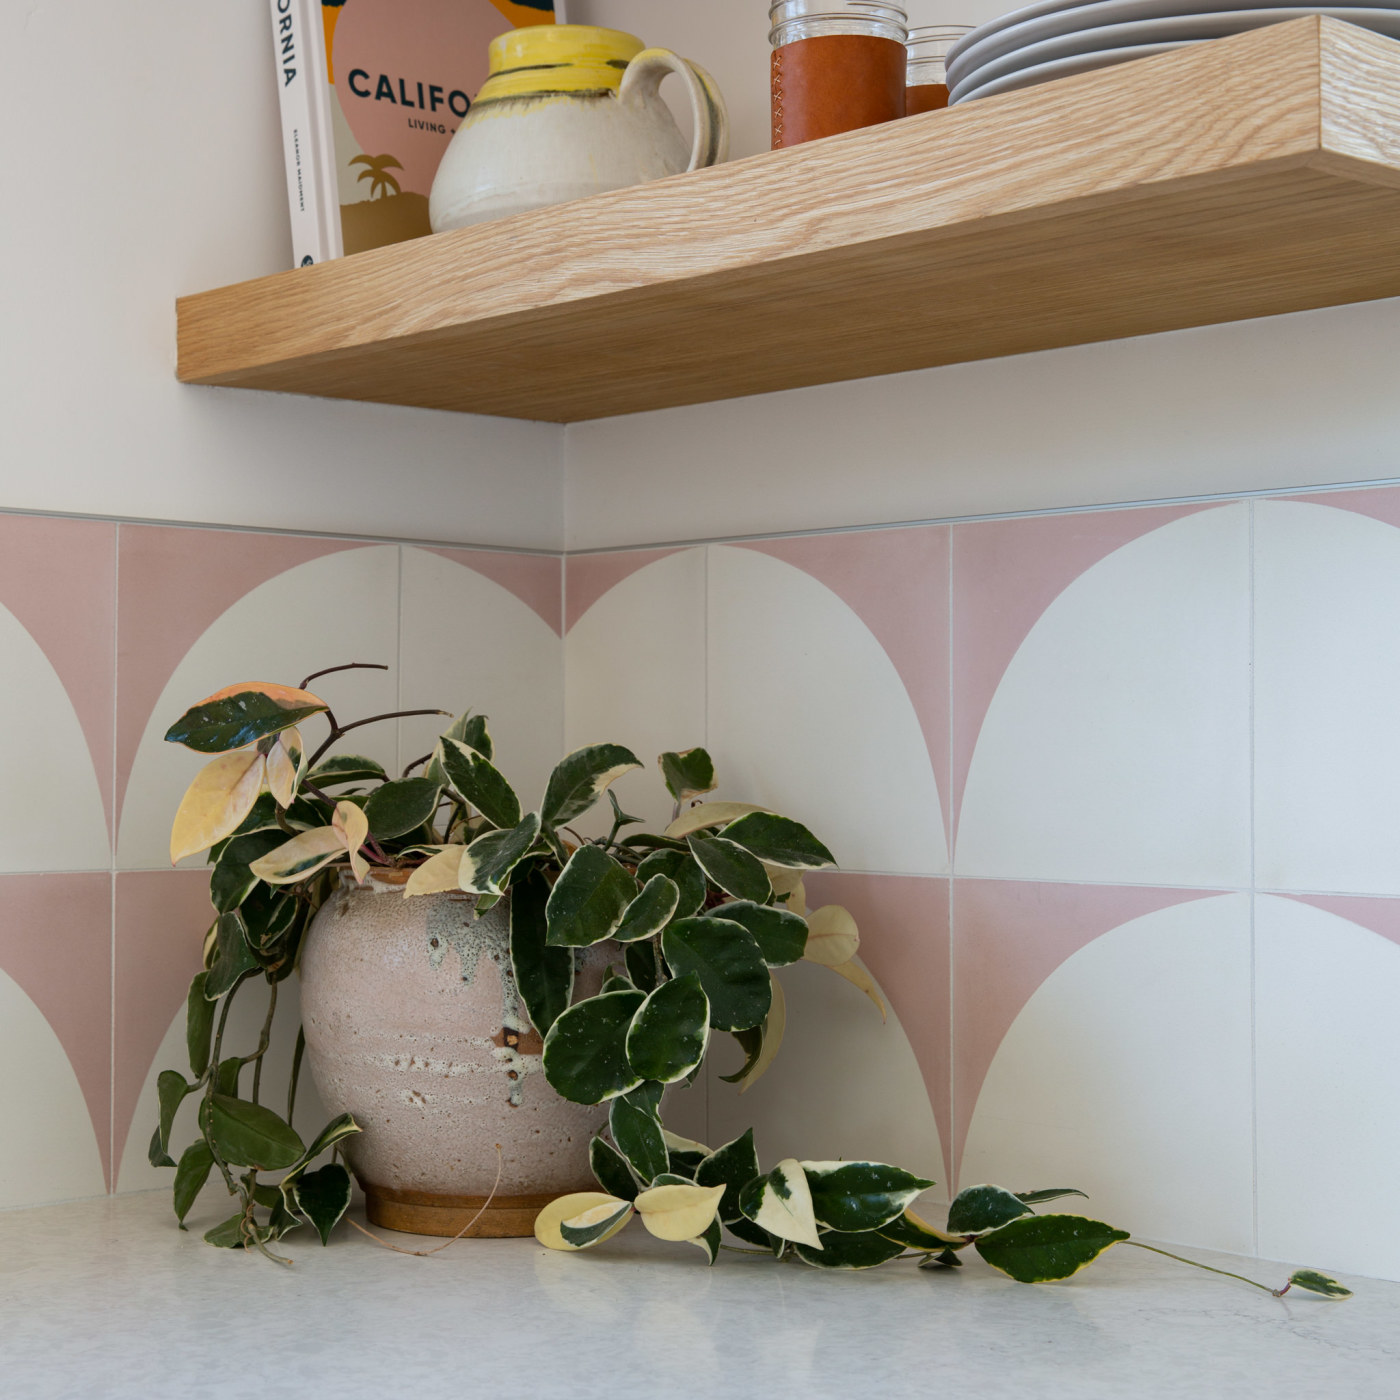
<point x="107" y="1299"/>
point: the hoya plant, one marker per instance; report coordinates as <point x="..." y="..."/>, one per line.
<point x="702" y="916"/>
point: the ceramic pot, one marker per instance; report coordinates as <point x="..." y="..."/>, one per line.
<point x="413" y="1024"/>
<point x="571" y="110"/>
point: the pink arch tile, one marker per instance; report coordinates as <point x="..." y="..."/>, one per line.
<point x="56" y="942"/>
<point x="534" y="578"/>
<point x="1008" y="937"/>
<point x="1005" y="574"/>
<point x="1379" y="502"/>
<point x="896" y="582"/>
<point x="588" y="576"/>
<point x="903" y="921"/>
<point x="161" y="919"/>
<point x="58" y="577"/>
<point x="1381" y="916"/>
<point x="173" y="584"/>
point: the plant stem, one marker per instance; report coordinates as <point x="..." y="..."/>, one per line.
<point x="416" y="762"/>
<point x="296" y="1072"/>
<point x="739" y="1249"/>
<point x="265" y="1040"/>
<point x="1209" y="1268"/>
<point x="339" y="731"/>
<point x="348" y="666"/>
<point x="213" y="1084"/>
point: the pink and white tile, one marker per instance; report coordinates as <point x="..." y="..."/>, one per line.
<point x="1328" y="1076"/>
<point x="1103" y="1042"/>
<point x="1327" y="747"/>
<point x="200" y="609"/>
<point x="808" y="713"/>
<point x="1114" y="746"/>
<point x="55" y="1019"/>
<point x="634" y="664"/>
<point x="57" y="607"/>
<point x="480" y="631"/>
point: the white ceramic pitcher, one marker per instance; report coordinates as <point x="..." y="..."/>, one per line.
<point x="571" y="110"/>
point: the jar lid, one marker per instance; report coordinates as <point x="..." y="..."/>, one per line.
<point x="782" y="11"/>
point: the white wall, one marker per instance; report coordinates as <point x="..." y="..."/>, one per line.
<point x="1290" y="401"/>
<point x="144" y="162"/>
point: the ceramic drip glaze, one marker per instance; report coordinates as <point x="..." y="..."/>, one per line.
<point x="414" y="1025"/>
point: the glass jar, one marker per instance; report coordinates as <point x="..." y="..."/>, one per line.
<point x="836" y="66"/>
<point x="926" y="87"/>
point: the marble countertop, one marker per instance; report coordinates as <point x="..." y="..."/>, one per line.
<point x="105" y="1300"/>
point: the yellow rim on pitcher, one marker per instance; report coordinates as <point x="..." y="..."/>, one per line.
<point x="547" y="58"/>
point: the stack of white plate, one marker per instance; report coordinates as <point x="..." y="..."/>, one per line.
<point x="1055" y="38"/>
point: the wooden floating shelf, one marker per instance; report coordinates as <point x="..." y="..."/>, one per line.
<point x="1249" y="176"/>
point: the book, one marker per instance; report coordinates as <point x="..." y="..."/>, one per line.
<point x="371" y="92"/>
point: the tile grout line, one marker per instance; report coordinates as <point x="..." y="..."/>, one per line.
<point x="952" y="887"/>
<point x="705" y="649"/>
<point x="114" y="1165"/>
<point x="398" y="667"/>
<point x="1253" y="906"/>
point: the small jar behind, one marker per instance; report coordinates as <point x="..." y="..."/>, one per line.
<point x="836" y="67"/>
<point x="927" y="83"/>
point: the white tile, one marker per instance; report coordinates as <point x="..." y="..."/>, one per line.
<point x="844" y="1084"/>
<point x="808" y="715"/>
<point x="341" y="607"/>
<point x="1127" y="1075"/>
<point x="469" y="643"/>
<point x="635" y="674"/>
<point x="51" y="813"/>
<point x="1328" y="1061"/>
<point x="1327" y="747"/>
<point x="1116" y="747"/>
<point x="48" y="1151"/>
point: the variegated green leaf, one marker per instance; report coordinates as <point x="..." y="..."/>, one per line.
<point x="544" y="976"/>
<point x="616" y="982"/>
<point x="866" y="1249"/>
<point x="709" y="814"/>
<point x="487" y="863"/>
<point x="641" y="965"/>
<point x="981" y="1208"/>
<point x="199" y="1025"/>
<point x="242" y="714"/>
<point x="731" y="867"/>
<point x="397" y="808"/>
<point x="171" y="1088"/>
<point x="337" y="1130"/>
<point x="346" y="768"/>
<point x="914" y="1232"/>
<point x="196" y="1162"/>
<point x="562" y="1208"/>
<point x="779" y="841"/>
<point x="585" y="1052"/>
<point x="582" y="778"/>
<point x="1041" y="1248"/>
<point x="610" y="1169"/>
<point x="709" y="1242"/>
<point x="688" y="774"/>
<point x="781" y="1204"/>
<point x="478" y="781"/>
<point x="684" y="1154"/>
<point x="732" y="1166"/>
<point x="650" y="912"/>
<point x="589" y="899"/>
<point x="1050" y="1193"/>
<point x="1315" y="1282"/>
<point x="595" y="1225"/>
<point x="781" y="937"/>
<point x="680" y="868"/>
<point x="671" y="1032"/>
<point x="944" y="1259"/>
<point x="751" y="1043"/>
<point x="729" y="965"/>
<point x="855" y="1197"/>
<point x="231" y="881"/>
<point x="323" y="1197"/>
<point x="637" y="1133"/>
<point x="233" y="958"/>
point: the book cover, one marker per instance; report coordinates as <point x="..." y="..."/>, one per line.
<point x="396" y="79"/>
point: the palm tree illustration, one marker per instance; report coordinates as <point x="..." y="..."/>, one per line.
<point x="376" y="171"/>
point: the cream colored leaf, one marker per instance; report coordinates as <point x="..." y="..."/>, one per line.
<point x="785" y="1209"/>
<point x="548" y="1221"/>
<point x="222" y="794"/>
<point x="284" y="762"/>
<point x="695" y="819"/>
<point x="286" y="696"/>
<point x="303" y="855"/>
<point x="675" y="1143"/>
<point x="353" y="827"/>
<point x="786" y="881"/>
<point x="679" y="1212"/>
<point x="832" y="936"/>
<point x="854" y="973"/>
<point x="773" y="1029"/>
<point x="437" y="873"/>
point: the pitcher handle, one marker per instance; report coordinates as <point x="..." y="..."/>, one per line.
<point x="643" y="79"/>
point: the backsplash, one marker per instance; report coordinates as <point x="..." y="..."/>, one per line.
<point x="1113" y="793"/>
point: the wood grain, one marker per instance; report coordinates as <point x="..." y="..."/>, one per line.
<point x="1251" y="176"/>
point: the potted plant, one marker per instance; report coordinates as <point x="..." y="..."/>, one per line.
<point x="496" y="1006"/>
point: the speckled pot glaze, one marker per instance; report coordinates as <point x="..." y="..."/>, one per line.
<point x="413" y="1024"/>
